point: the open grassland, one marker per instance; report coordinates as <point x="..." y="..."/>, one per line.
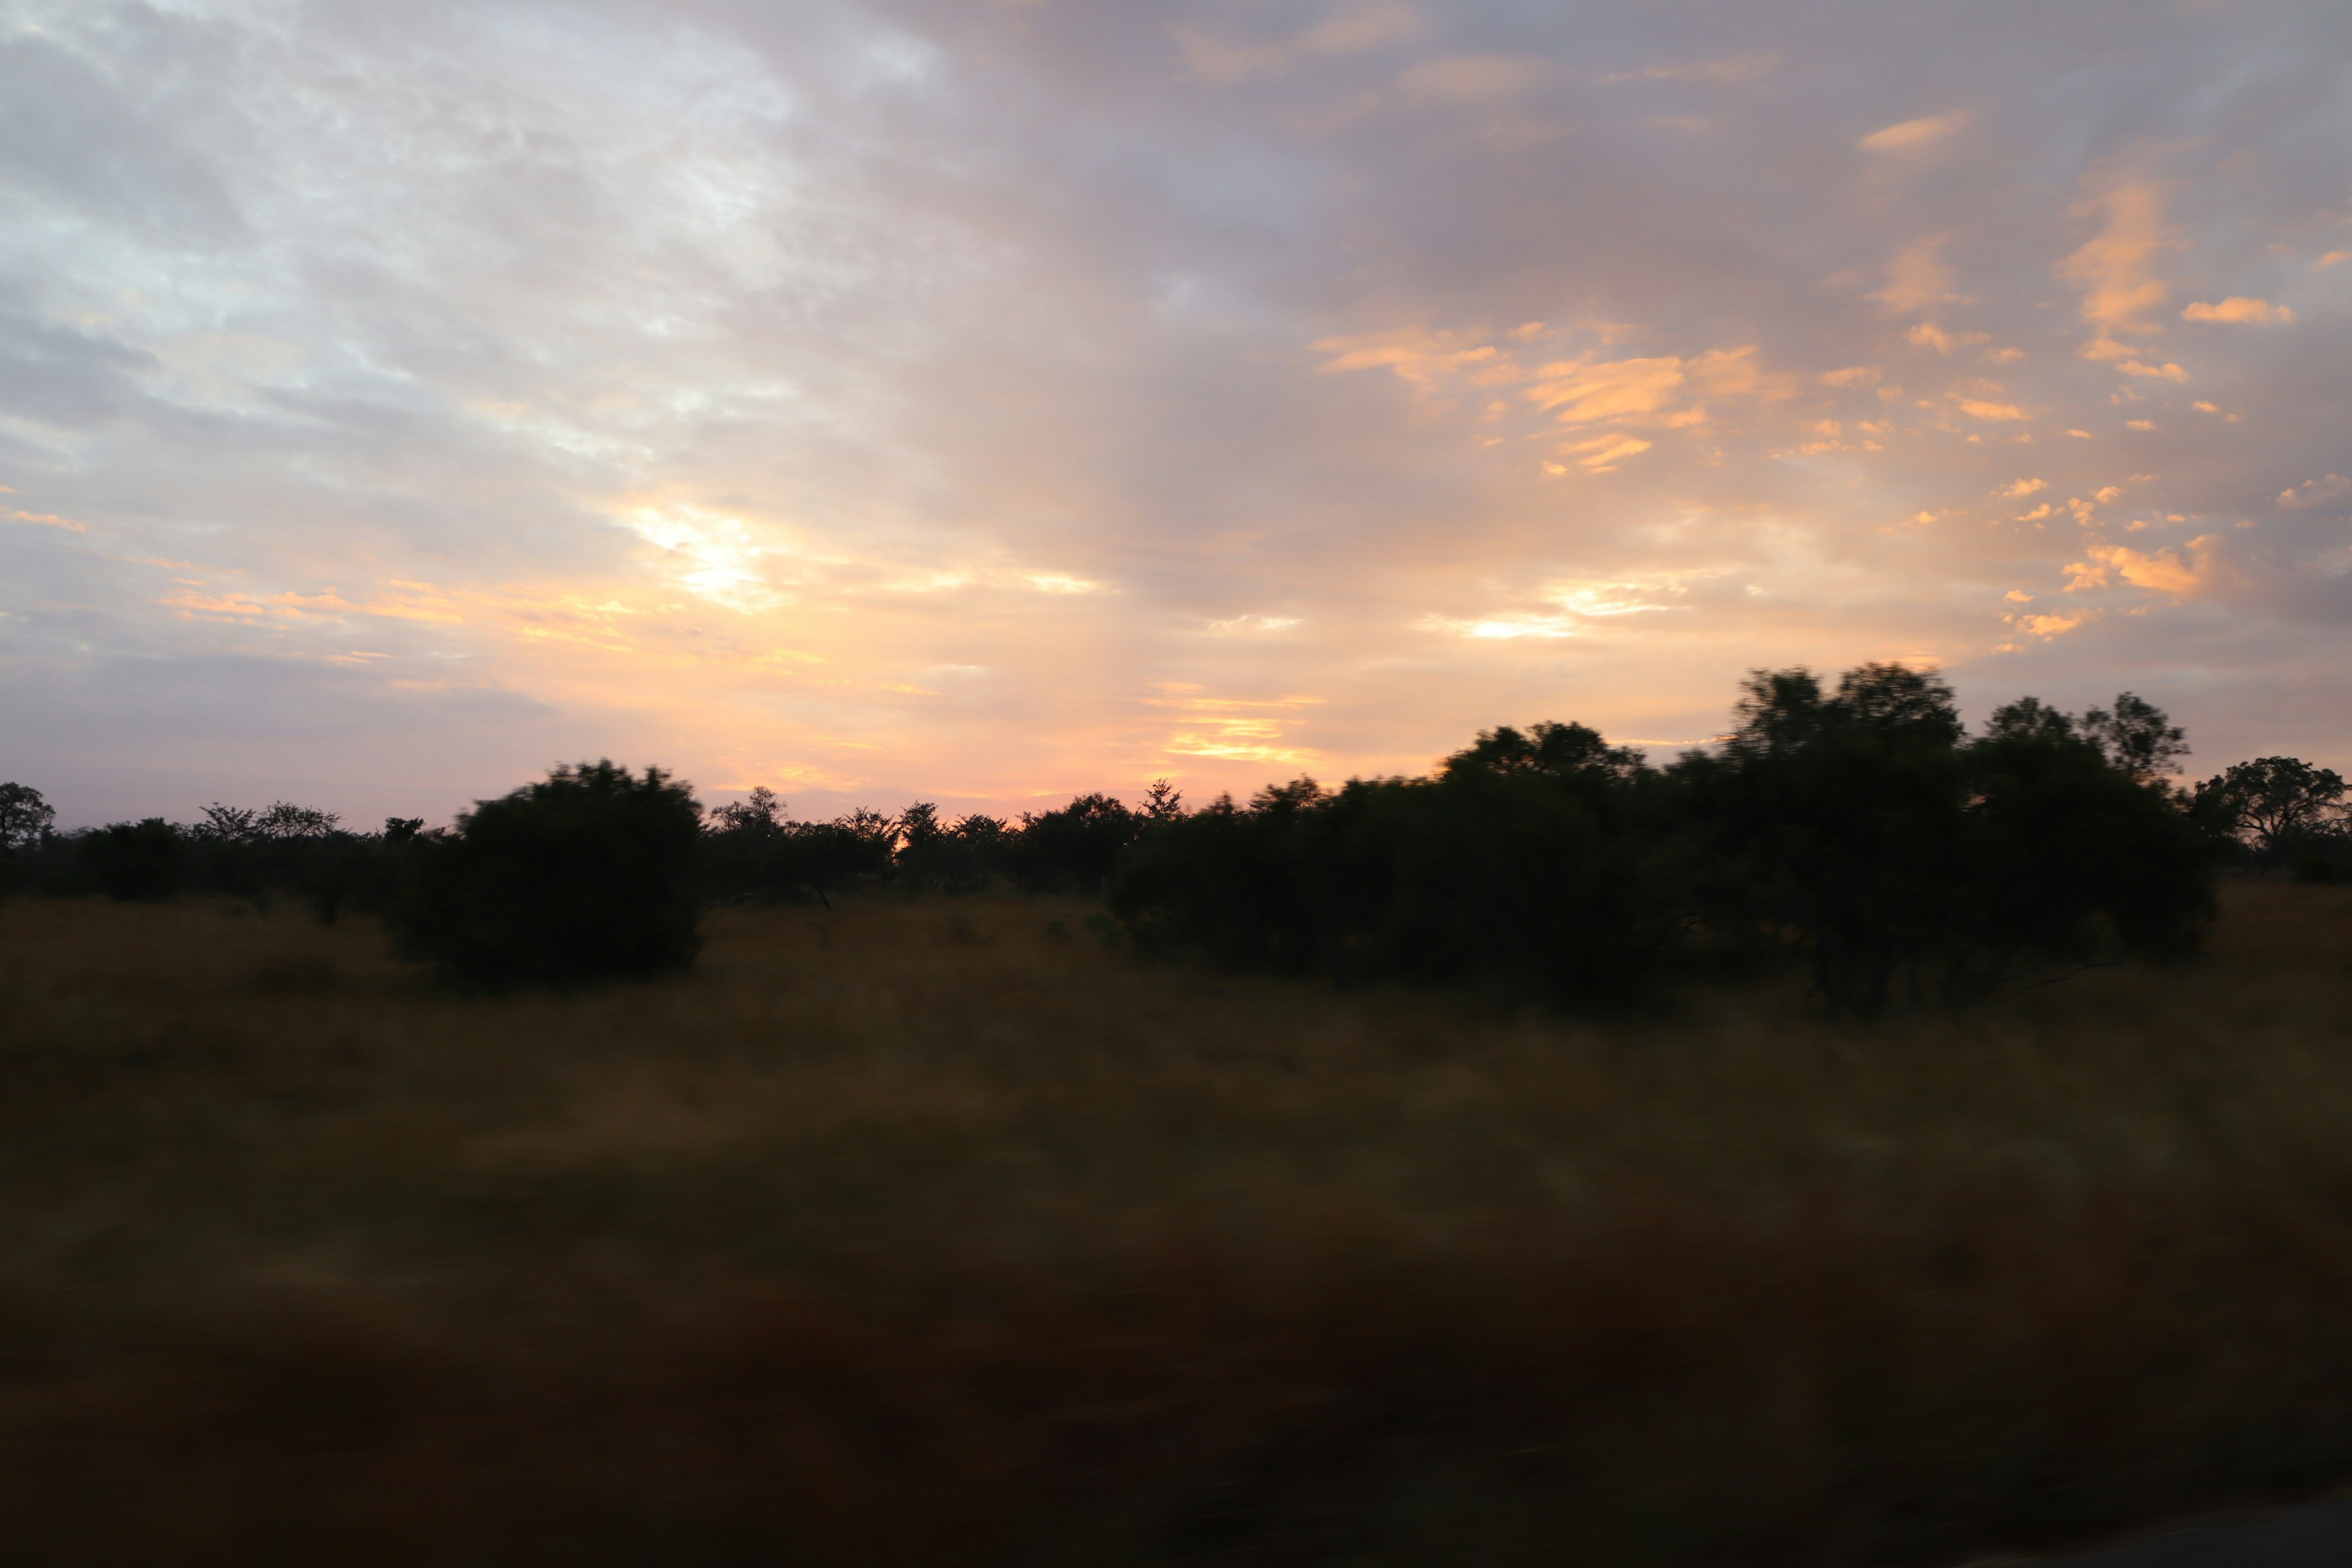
<point x="941" y="1232"/>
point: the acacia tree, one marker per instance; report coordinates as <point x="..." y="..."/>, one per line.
<point x="2274" y="804"/>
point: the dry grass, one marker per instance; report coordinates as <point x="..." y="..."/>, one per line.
<point x="934" y="1233"/>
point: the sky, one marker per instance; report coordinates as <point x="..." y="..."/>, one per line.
<point x="983" y="402"/>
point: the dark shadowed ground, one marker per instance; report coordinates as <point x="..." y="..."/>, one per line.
<point x="945" y="1232"/>
<point x="2317" y="1535"/>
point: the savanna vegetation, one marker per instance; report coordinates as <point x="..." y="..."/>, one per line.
<point x="1559" y="1158"/>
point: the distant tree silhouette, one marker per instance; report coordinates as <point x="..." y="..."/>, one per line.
<point x="587" y="875"/>
<point x="2135" y="738"/>
<point x="1557" y="748"/>
<point x="1861" y="828"/>
<point x="1831" y="816"/>
<point x="2277" y="807"/>
<point x="1553" y="879"/>
<point x="26" y="819"/>
<point x="2030" y="718"/>
<point x="1075" y="846"/>
<point x="144" y="860"/>
<point x="753" y="851"/>
<point x="1162" y="802"/>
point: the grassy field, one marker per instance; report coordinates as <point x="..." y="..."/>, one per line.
<point x="943" y="1232"/>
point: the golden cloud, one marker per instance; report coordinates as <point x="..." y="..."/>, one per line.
<point x="2238" y="309"/>
<point x="2116" y="269"/>
<point x="1918" y="277"/>
<point x="2163" y="572"/>
<point x="1913" y="133"/>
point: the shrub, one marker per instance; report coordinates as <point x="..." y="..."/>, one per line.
<point x="2325" y="858"/>
<point x="1903" y="858"/>
<point x="1861" y="829"/>
<point x="1542" y="880"/>
<point x="1075" y="848"/>
<point x="586" y="876"/>
<point x="145" y="860"/>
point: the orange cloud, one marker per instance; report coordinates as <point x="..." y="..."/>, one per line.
<point x="2238" y="309"/>
<point x="1611" y="389"/>
<point x="1913" y="133"/>
<point x="2116" y="269"/>
<point x="2164" y="571"/>
<point x="1918" y="277"/>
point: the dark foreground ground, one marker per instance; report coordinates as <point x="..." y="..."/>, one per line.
<point x="946" y="1233"/>
<point x="2315" y="1535"/>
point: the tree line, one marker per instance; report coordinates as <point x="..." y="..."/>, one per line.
<point x="1856" y="828"/>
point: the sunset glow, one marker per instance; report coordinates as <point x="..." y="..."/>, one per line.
<point x="986" y="401"/>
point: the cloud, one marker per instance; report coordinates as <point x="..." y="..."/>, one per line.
<point x="1421" y="355"/>
<point x="2165" y="571"/>
<point x="2238" y="309"/>
<point x="2333" y="490"/>
<point x="894" y="400"/>
<point x="1346" y="30"/>
<point x="1927" y="335"/>
<point x="1586" y="390"/>
<point x="2026" y="488"/>
<point x="1722" y="72"/>
<point x="1603" y="453"/>
<point x="1910" y="135"/>
<point x="1476" y="78"/>
<point x="2048" y="626"/>
<point x="2116" y="267"/>
<point x="1918" y="278"/>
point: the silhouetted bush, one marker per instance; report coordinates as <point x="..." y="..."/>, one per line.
<point x="751" y="850"/>
<point x="1539" y="864"/>
<point x="1900" y="855"/>
<point x="2278" y="811"/>
<point x="1861" y="829"/>
<point x="961" y="857"/>
<point x="586" y="876"/>
<point x="2324" y="856"/>
<point x="1075" y="849"/>
<point x="147" y="859"/>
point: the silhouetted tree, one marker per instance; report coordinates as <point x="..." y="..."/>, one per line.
<point x="146" y="859"/>
<point x="1861" y="828"/>
<point x="1162" y="802"/>
<point x="26" y="818"/>
<point x="1555" y="879"/>
<point x="1075" y="846"/>
<point x="752" y="851"/>
<point x="1831" y="816"/>
<point x="1556" y="749"/>
<point x="2137" y="738"/>
<point x="2030" y="718"/>
<point x="585" y="875"/>
<point x="932" y="855"/>
<point x="2277" y="807"/>
<point x="25" y="825"/>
